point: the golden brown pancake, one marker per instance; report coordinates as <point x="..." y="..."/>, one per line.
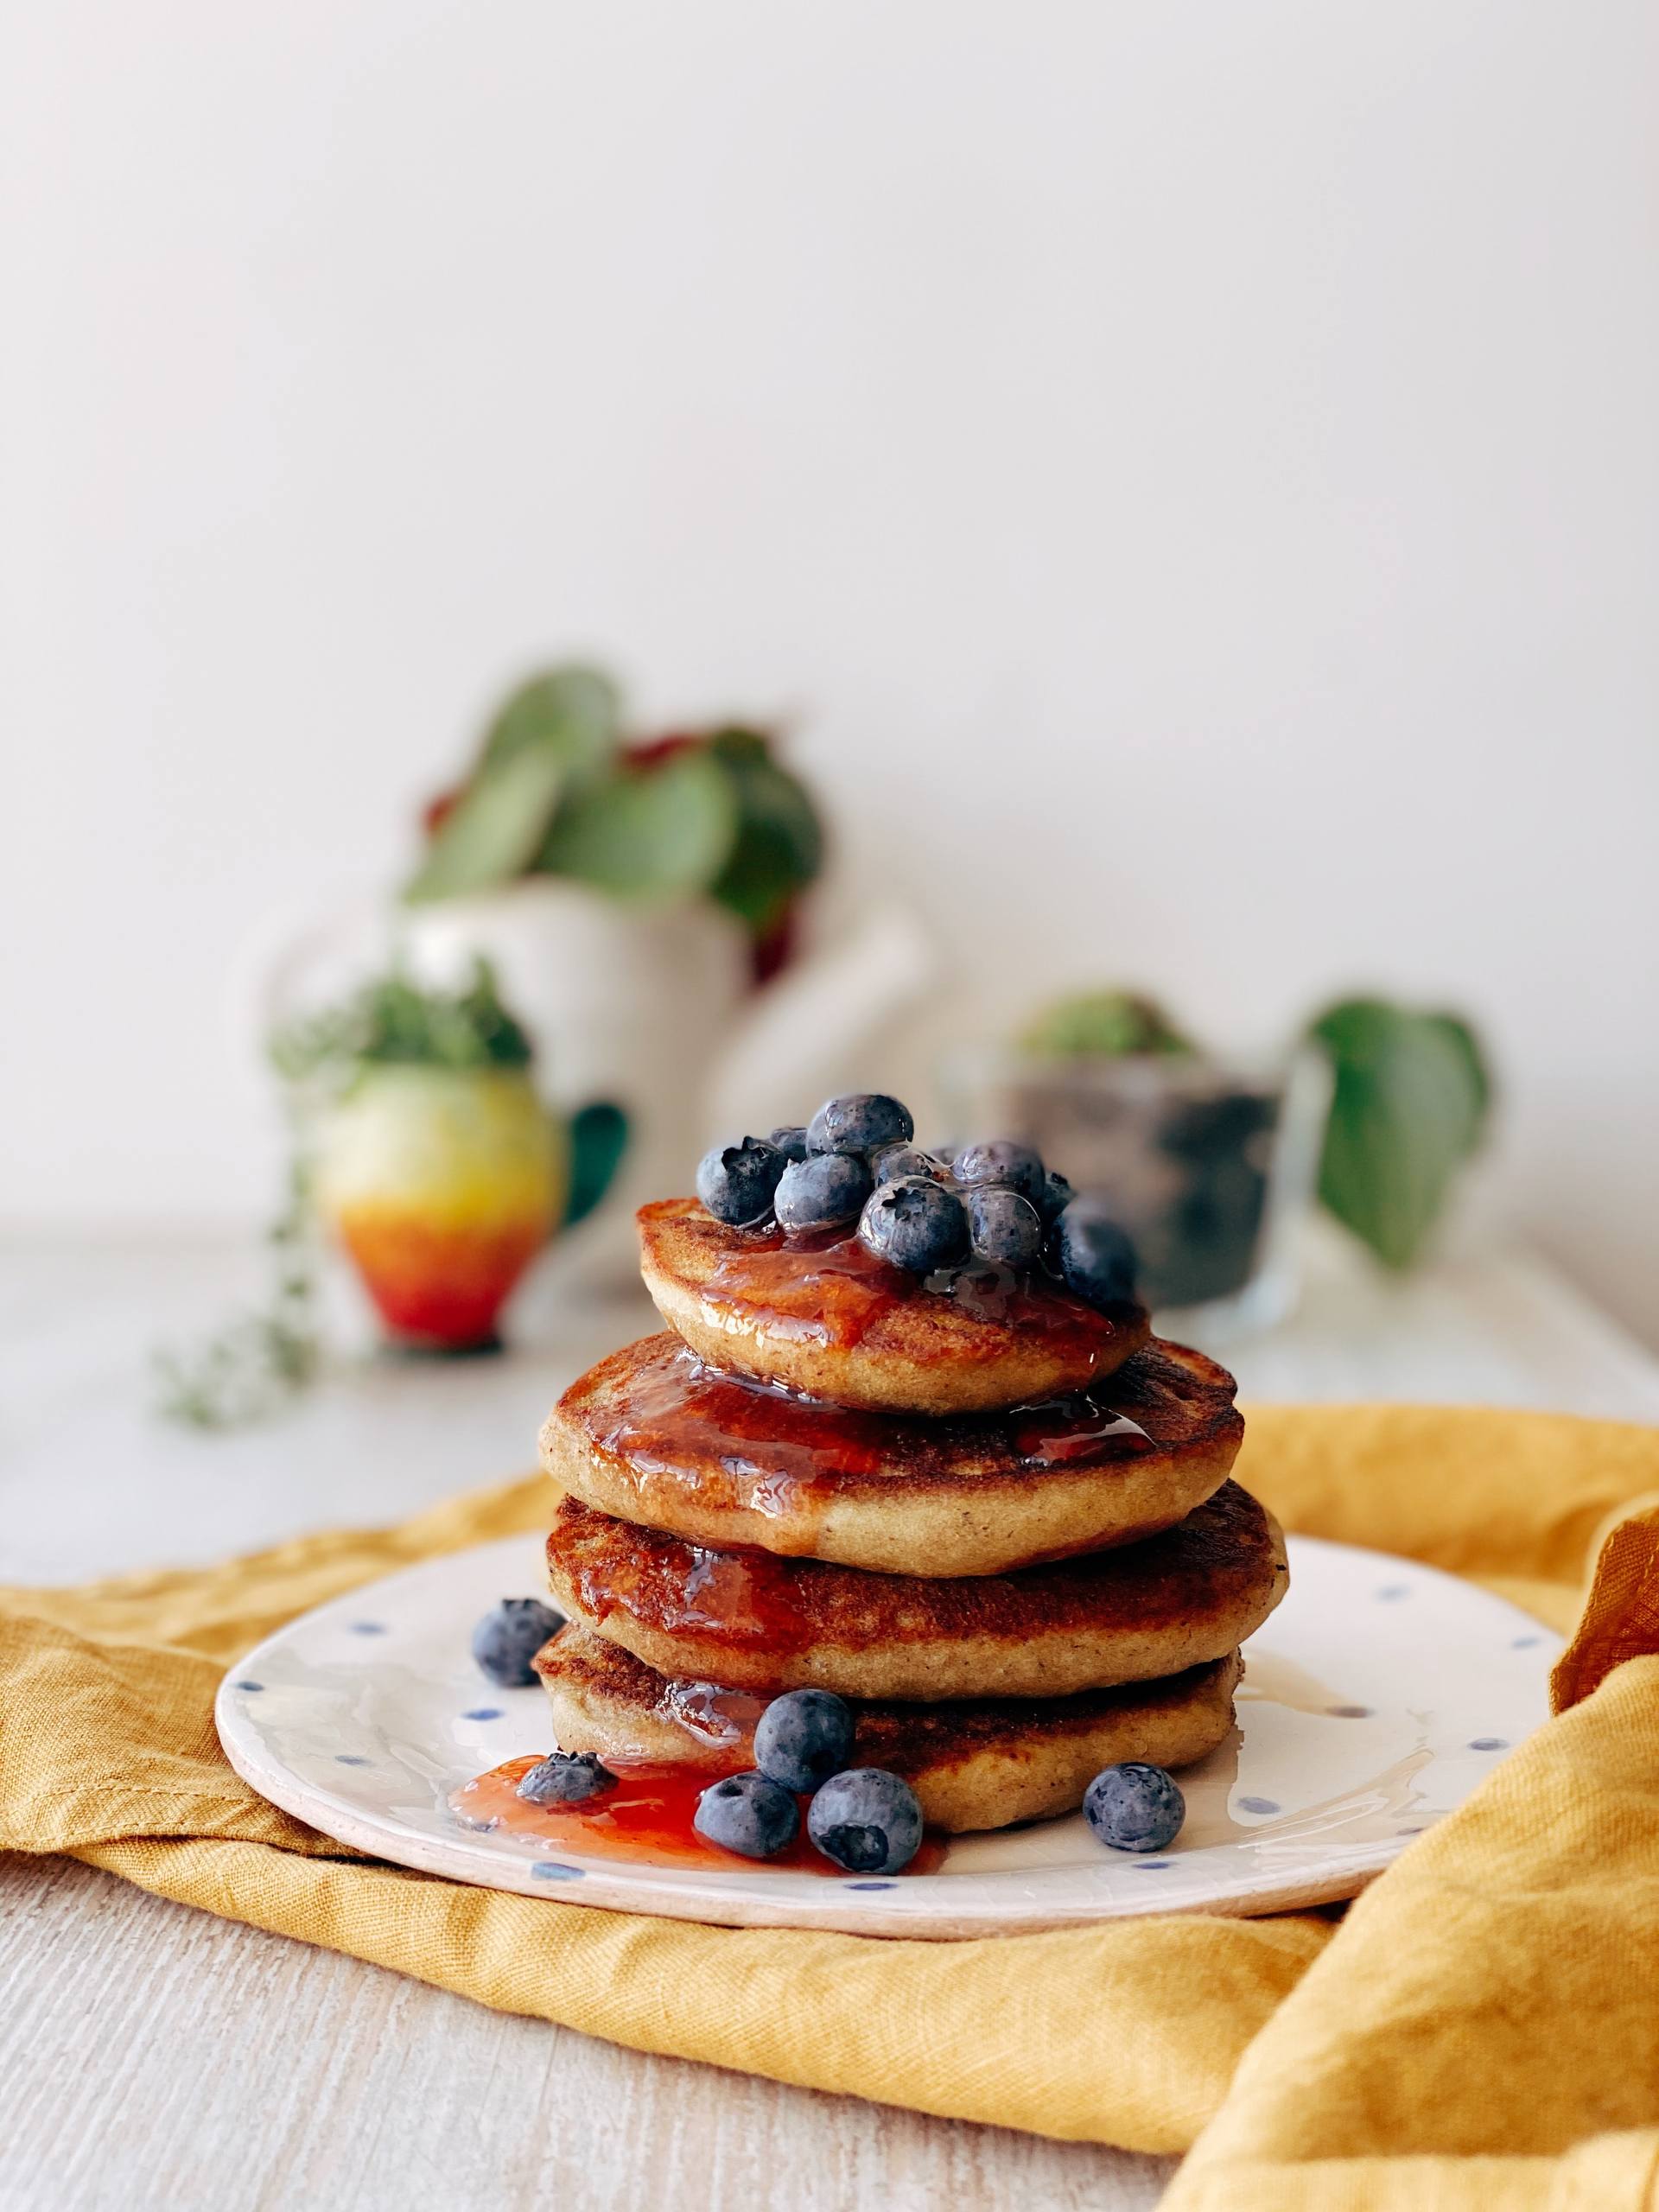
<point x="757" y="1622"/>
<point x="979" y="1764"/>
<point x="826" y="1317"/>
<point x="651" y="1434"/>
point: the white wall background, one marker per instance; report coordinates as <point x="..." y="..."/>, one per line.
<point x="1192" y="470"/>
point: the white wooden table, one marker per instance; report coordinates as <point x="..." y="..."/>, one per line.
<point x="152" y="2056"/>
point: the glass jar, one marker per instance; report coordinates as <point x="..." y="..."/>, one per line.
<point x="1210" y="1165"/>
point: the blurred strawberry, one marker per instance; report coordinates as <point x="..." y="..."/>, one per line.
<point x="437" y="811"/>
<point x="652" y="752"/>
<point x="775" y="945"/>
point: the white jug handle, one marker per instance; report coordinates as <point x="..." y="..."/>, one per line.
<point x="357" y="934"/>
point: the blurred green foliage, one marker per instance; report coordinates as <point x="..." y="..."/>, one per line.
<point x="555" y="790"/>
<point x="1102" y="1025"/>
<point x="1410" y="1104"/>
<point x="393" y="1022"/>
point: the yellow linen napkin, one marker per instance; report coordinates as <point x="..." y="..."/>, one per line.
<point x="1482" y="2029"/>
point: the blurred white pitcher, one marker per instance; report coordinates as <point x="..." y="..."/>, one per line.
<point x="651" y="1008"/>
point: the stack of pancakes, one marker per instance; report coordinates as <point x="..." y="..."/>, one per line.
<point x="1001" y="1528"/>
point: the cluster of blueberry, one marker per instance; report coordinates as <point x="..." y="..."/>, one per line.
<point x="933" y="1213"/>
<point x="863" y="1818"/>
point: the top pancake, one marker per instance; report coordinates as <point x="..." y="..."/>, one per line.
<point x="652" y="1435"/>
<point x="824" y="1316"/>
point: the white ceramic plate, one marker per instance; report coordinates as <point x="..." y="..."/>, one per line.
<point x="1376" y="1699"/>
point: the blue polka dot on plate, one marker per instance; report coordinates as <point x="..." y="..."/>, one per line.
<point x="1416" y="1831"/>
<point x="482" y="1713"/>
<point x="351" y="1758"/>
<point x="250" y="1686"/>
<point x="1257" y="1805"/>
<point x="869" y="1886"/>
<point x="368" y="1628"/>
<point x="550" y="1870"/>
<point x="1149" y="1865"/>
<point x="1489" y="1744"/>
<point x="1392" y="1590"/>
<point x="1525" y="1643"/>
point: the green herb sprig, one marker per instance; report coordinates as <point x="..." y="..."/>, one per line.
<point x="393" y="1022"/>
<point x="263" y="1360"/>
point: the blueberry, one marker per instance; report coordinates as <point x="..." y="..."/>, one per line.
<point x="566" y="1778"/>
<point x="821" y="1193"/>
<point x="866" y="1819"/>
<point x="736" y="1181"/>
<point x="1015" y="1165"/>
<point x="1096" y="1258"/>
<point x="1004" y="1229"/>
<point x="790" y="1141"/>
<point x="509" y="1637"/>
<point x="916" y="1224"/>
<point x="803" y="1738"/>
<point x="1056" y="1196"/>
<point x="1135" y="1808"/>
<point x="861" y="1121"/>
<point x="894" y="1163"/>
<point x="748" y="1814"/>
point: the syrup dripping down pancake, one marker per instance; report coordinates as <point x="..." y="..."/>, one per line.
<point x="983" y="1764"/>
<point x="652" y="1435"/>
<point x="823" y="1316"/>
<point x="757" y="1622"/>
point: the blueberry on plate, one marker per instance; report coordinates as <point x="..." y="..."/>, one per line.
<point x="861" y="1122"/>
<point x="1134" y="1807"/>
<point x="790" y="1141"/>
<point x="1096" y="1258"/>
<point x="823" y="1191"/>
<point x="1003" y="1161"/>
<point x="736" y="1181"/>
<point x="509" y="1637"/>
<point x="916" y="1224"/>
<point x="895" y="1163"/>
<point x="1005" y="1229"/>
<point x="803" y="1738"/>
<point x="866" y="1820"/>
<point x="566" y="1778"/>
<point x="748" y="1814"/>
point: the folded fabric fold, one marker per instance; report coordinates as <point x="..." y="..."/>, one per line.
<point x="1480" y="2029"/>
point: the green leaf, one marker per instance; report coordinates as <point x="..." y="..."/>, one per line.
<point x="1410" y="1101"/>
<point x="1102" y="1025"/>
<point x="652" y="833"/>
<point x="1458" y="1034"/>
<point x="553" y="734"/>
<point x="575" y="708"/>
<point x="779" y="849"/>
<point x="495" y="828"/>
<point x="599" y="1137"/>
